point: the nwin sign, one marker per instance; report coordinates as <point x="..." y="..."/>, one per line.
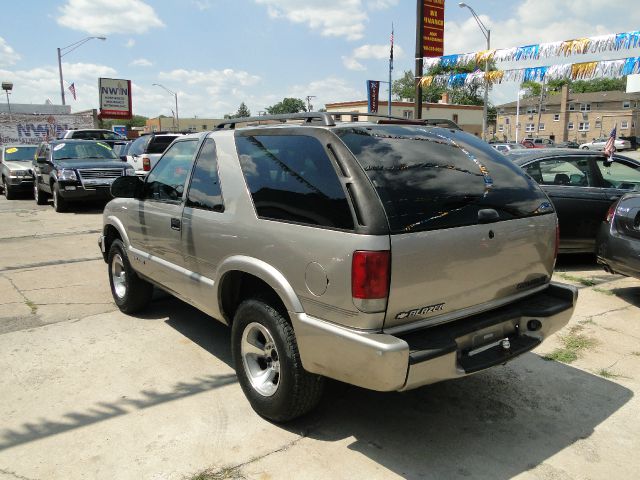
<point x="115" y="98"/>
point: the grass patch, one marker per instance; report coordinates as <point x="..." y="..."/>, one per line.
<point x="637" y="354"/>
<point x="573" y="344"/>
<point x="584" y="281"/>
<point x="588" y="321"/>
<point x="227" y="473"/>
<point x="603" y="372"/>
<point x="32" y="306"/>
<point x="604" y="291"/>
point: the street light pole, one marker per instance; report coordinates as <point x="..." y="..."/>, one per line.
<point x="62" y="53"/>
<point x="487" y="34"/>
<point x="175" y="96"/>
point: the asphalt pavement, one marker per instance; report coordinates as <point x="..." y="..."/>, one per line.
<point x="90" y="393"/>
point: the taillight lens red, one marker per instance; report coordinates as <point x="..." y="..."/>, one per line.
<point x="146" y="164"/>
<point x="610" y="212"/>
<point x="370" y="274"/>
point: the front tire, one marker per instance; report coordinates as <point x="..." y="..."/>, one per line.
<point x="130" y="292"/>
<point x="59" y="203"/>
<point x="8" y="192"/>
<point x="267" y="362"/>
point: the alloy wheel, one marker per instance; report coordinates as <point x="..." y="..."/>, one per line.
<point x="260" y="359"/>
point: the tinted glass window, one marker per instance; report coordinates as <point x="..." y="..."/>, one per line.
<point x="571" y="171"/>
<point x="160" y="144"/>
<point x="138" y="146"/>
<point x="291" y="178"/>
<point x="204" y="190"/>
<point x="430" y="178"/>
<point x="17" y="154"/>
<point x="71" y="150"/>
<point x="619" y="175"/>
<point x="166" y="181"/>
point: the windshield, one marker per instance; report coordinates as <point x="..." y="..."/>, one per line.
<point x="82" y="150"/>
<point x="430" y="178"/>
<point x="19" y="154"/>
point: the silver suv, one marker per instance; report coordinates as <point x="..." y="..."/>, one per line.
<point x="388" y="255"/>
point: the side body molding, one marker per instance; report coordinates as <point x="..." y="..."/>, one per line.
<point x="265" y="272"/>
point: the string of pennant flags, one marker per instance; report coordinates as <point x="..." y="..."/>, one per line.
<point x="574" y="71"/>
<point x="598" y="44"/>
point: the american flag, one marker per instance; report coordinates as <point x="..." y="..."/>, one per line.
<point x="391" y="53"/>
<point x="610" y="146"/>
<point x="72" y="89"/>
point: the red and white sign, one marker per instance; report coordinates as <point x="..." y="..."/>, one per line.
<point x="115" y="98"/>
<point x="433" y="28"/>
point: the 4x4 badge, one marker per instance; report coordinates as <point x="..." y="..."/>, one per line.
<point x="421" y="311"/>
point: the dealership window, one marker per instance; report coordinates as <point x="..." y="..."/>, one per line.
<point x="540" y="127"/>
<point x="556" y="117"/>
<point x="501" y="128"/>
<point x="570" y="126"/>
<point x="354" y="118"/>
<point x="572" y="107"/>
<point x="204" y="126"/>
<point x="626" y="104"/>
<point x="583" y="127"/>
<point x="407" y="113"/>
<point x="585" y="107"/>
<point x="529" y="128"/>
<point x="454" y="117"/>
<point x="598" y="123"/>
<point x="532" y="110"/>
<point x="624" y="124"/>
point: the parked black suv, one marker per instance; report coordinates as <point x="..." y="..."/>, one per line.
<point x="72" y="170"/>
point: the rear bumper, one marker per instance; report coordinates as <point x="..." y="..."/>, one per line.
<point x="618" y="254"/>
<point x="384" y="362"/>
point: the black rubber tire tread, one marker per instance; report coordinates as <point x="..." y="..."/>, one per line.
<point x="299" y="391"/>
<point x="139" y="291"/>
<point x="8" y="192"/>
<point x="61" y="204"/>
<point x="41" y="198"/>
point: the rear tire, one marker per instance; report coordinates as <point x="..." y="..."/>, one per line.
<point x="59" y="203"/>
<point x="130" y="292"/>
<point x="267" y="362"/>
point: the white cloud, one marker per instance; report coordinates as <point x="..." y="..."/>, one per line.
<point x="130" y="43"/>
<point x="368" y="52"/>
<point x="141" y="62"/>
<point x="333" y="18"/>
<point x="38" y="84"/>
<point x="328" y="90"/>
<point x="202" y="4"/>
<point x="8" y="55"/>
<point x="104" y="17"/>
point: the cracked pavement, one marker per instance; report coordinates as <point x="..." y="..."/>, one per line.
<point x="88" y="392"/>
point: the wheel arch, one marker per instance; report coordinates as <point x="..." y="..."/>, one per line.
<point x="113" y="229"/>
<point x="242" y="277"/>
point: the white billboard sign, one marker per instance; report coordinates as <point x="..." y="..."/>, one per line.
<point x="34" y="128"/>
<point x="115" y="98"/>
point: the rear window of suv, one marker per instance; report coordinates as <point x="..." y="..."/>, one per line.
<point x="159" y="144"/>
<point x="430" y="178"/>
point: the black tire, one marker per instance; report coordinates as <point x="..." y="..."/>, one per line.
<point x="59" y="203"/>
<point x="137" y="292"/>
<point x="8" y="192"/>
<point x="297" y="391"/>
<point x="39" y="196"/>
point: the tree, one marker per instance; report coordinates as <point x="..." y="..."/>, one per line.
<point x="135" y="121"/>
<point x="554" y="87"/>
<point x="287" y="105"/>
<point x="243" y="111"/>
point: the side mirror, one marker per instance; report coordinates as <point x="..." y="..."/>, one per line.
<point x="127" y="187"/>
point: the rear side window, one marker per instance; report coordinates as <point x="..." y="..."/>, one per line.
<point x="204" y="190"/>
<point x="619" y="175"/>
<point x="138" y="146"/>
<point x="430" y="178"/>
<point x="160" y="144"/>
<point x="291" y="178"/>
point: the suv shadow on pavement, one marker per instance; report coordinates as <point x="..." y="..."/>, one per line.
<point x="495" y="424"/>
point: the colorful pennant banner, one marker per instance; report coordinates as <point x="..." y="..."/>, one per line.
<point x="574" y="71"/>
<point x="601" y="43"/>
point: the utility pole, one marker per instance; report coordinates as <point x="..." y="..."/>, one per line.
<point x="417" y="110"/>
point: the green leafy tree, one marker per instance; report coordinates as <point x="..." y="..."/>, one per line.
<point x="554" y="87"/>
<point x="287" y="105"/>
<point x="135" y="121"/>
<point x="243" y="111"/>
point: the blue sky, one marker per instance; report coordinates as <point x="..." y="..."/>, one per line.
<point x="218" y="53"/>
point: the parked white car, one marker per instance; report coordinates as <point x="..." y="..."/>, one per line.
<point x="507" y="147"/>
<point x="601" y="142"/>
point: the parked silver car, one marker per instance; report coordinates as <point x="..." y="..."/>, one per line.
<point x="618" y="242"/>
<point x="144" y="152"/>
<point x="600" y="143"/>
<point x="15" y="169"/>
<point x="388" y="256"/>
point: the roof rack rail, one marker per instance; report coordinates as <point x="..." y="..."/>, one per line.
<point x="390" y="119"/>
<point x="308" y="117"/>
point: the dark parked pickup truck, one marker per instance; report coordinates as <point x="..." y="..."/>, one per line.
<point x="71" y="170"/>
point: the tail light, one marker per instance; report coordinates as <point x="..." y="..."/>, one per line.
<point x="611" y="212"/>
<point x="146" y="164"/>
<point x="370" y="274"/>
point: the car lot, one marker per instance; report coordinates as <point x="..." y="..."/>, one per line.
<point x="91" y="393"/>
